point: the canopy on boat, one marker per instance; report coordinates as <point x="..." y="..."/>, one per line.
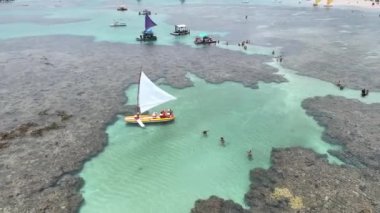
<point x="202" y="35"/>
<point x="151" y="95"/>
<point x="329" y="2"/>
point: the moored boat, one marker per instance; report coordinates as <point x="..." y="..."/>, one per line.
<point x="180" y="29"/>
<point x="145" y="12"/>
<point x="204" y="39"/>
<point x="118" y="24"/>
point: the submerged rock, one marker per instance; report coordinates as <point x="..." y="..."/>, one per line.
<point x="217" y="205"/>
<point x="302" y="187"/>
<point x="350" y="123"/>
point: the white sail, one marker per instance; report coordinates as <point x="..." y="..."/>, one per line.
<point x="151" y="95"/>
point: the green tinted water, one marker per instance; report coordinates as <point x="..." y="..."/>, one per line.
<point x="165" y="168"/>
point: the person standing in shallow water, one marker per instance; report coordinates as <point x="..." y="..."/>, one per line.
<point x="249" y="154"/>
<point x="222" y="142"/>
<point x="204" y="132"/>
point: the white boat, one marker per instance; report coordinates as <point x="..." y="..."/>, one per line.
<point x="118" y="24"/>
<point x="149" y="96"/>
<point x="180" y="29"/>
<point x="145" y="12"/>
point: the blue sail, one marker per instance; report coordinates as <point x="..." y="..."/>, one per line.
<point x="149" y="23"/>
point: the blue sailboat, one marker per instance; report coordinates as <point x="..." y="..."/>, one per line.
<point x="147" y="34"/>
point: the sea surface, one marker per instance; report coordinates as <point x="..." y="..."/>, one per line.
<point x="165" y="168"/>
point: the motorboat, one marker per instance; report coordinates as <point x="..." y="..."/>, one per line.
<point x="145" y="12"/>
<point x="180" y="29"/>
<point x="118" y="24"/>
<point x="204" y="39"/>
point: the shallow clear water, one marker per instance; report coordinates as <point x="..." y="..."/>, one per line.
<point x="165" y="168"/>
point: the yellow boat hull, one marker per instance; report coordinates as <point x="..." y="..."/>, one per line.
<point x="148" y="119"/>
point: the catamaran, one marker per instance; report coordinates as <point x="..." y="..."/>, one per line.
<point x="149" y="96"/>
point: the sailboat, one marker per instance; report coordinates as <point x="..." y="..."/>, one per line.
<point x="149" y="96"/>
<point x="147" y="34"/>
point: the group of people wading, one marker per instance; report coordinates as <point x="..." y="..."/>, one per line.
<point x="223" y="143"/>
<point x="364" y="91"/>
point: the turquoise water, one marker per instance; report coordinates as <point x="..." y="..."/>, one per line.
<point x="165" y="168"/>
<point x="92" y="18"/>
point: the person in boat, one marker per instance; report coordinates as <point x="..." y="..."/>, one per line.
<point x="245" y="47"/>
<point x="154" y="114"/>
<point x="137" y="116"/>
<point x="222" y="142"/>
<point x="249" y="154"/>
<point x="170" y="112"/>
<point x="204" y="132"/>
<point x="273" y="52"/>
<point x="162" y="114"/>
<point x="246" y="17"/>
<point x="280" y="58"/>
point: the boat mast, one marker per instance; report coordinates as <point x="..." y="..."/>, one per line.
<point x="138" y="91"/>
